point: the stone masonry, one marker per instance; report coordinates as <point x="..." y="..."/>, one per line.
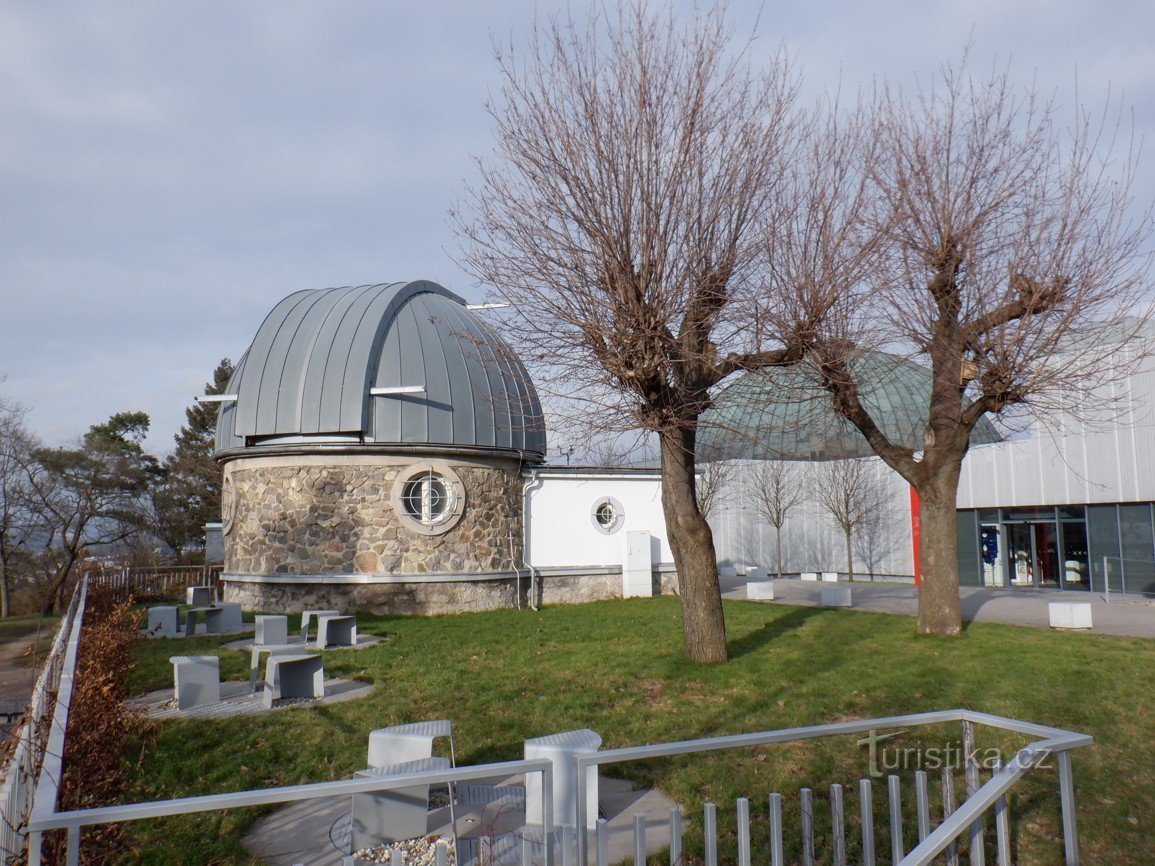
<point x="340" y="519"/>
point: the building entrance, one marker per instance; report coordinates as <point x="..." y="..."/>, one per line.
<point x="1033" y="554"/>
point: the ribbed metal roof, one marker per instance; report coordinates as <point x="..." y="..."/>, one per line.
<point x="315" y="358"/>
<point x="783" y="413"/>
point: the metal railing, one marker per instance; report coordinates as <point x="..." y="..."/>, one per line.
<point x="967" y="820"/>
<point x="40" y="742"/>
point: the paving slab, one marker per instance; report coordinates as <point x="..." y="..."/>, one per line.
<point x="1130" y="616"/>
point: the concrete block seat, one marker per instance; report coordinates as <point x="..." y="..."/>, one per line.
<point x="336" y="630"/>
<point x="223" y="618"/>
<point x="163" y="620"/>
<point x="760" y="590"/>
<point x="255" y="651"/>
<point x="809" y="575"/>
<point x="560" y="750"/>
<point x="409" y="742"/>
<point x="271" y="629"/>
<point x="1069" y="614"/>
<point x="190" y="619"/>
<point x="307" y="616"/>
<point x="293" y="675"/>
<point x="200" y="595"/>
<point x="382" y="817"/>
<point x="836" y="596"/>
<point x="196" y="681"/>
<point x="830" y="577"/>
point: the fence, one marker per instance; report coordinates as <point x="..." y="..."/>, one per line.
<point x="157" y="583"/>
<point x="40" y="741"/>
<point x="967" y="821"/>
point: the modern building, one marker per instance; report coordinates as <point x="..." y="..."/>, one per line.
<point x="1067" y="503"/>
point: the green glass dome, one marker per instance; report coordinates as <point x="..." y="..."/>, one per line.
<point x="783" y="413"/>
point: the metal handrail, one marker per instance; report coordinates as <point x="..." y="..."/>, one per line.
<point x="1054" y="740"/>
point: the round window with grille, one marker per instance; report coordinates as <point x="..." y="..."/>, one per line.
<point x="429" y="498"/>
<point x="607" y="515"/>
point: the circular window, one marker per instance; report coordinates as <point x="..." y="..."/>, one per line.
<point x="607" y="515"/>
<point x="428" y="498"/>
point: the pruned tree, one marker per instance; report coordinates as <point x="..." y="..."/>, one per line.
<point x="776" y="487"/>
<point x="850" y="496"/>
<point x="979" y="236"/>
<point x="91" y="495"/>
<point x="189" y="493"/>
<point x="713" y="478"/>
<point x="636" y="160"/>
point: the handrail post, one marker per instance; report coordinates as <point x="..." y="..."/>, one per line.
<point x="1067" y="799"/>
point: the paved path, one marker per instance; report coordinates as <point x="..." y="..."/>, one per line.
<point x="1131" y="615"/>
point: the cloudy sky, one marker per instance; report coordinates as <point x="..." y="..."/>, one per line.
<point x="168" y="171"/>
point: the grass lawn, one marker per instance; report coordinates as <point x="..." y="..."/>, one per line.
<point x="616" y="667"/>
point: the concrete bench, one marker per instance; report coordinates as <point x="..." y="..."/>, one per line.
<point x="223" y="618"/>
<point x="200" y="595"/>
<point x="307" y="616"/>
<point x="163" y="621"/>
<point x="810" y="575"/>
<point x="830" y="577"/>
<point x="836" y="596"/>
<point x="382" y="817"/>
<point x="412" y="741"/>
<point x="1069" y="614"/>
<point x="271" y="629"/>
<point x="293" y="676"/>
<point x="560" y="750"/>
<point x="190" y="619"/>
<point x="336" y="630"/>
<point x="760" y="590"/>
<point x="283" y="649"/>
<point x="196" y="681"/>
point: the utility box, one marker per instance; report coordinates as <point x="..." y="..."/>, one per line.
<point x="637" y="564"/>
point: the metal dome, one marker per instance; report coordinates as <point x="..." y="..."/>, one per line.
<point x="783" y="413"/>
<point x="307" y="376"/>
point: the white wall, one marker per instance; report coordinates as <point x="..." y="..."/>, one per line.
<point x="560" y="532"/>
<point x="809" y="541"/>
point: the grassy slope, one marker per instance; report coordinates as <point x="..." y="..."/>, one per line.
<point x="616" y="667"/>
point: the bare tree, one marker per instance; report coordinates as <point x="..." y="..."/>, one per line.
<point x="977" y="236"/>
<point x="636" y="159"/>
<point x="19" y="523"/>
<point x="850" y="496"/>
<point x="776" y="486"/>
<point x="713" y="478"/>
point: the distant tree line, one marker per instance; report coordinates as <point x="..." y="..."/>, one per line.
<point x="102" y="496"/>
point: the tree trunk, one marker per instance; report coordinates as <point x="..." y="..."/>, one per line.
<point x="778" y="546"/>
<point x="849" y="557"/>
<point x="692" y="543"/>
<point x="5" y="598"/>
<point x="938" y="601"/>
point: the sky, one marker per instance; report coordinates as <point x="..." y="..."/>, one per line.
<point x="169" y="171"/>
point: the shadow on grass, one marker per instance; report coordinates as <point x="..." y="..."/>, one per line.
<point x="776" y="628"/>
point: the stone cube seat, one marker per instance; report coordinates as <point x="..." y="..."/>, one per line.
<point x="836" y="596"/>
<point x="408" y="742"/>
<point x="560" y="750"/>
<point x="293" y="676"/>
<point x="336" y="630"/>
<point x="163" y="620"/>
<point x="255" y="652"/>
<point x="810" y="575"/>
<point x="381" y="817"/>
<point x="830" y="577"/>
<point x="1069" y="614"/>
<point x="271" y="629"/>
<point x="196" y="681"/>
<point x="760" y="590"/>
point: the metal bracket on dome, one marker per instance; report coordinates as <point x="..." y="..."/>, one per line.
<point x="393" y="392"/>
<point x="216" y="398"/>
<point x="501" y="306"/>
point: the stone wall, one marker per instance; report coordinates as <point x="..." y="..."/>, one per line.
<point x="429" y="597"/>
<point x="309" y="517"/>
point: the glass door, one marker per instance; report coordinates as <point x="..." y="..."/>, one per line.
<point x="1020" y="555"/>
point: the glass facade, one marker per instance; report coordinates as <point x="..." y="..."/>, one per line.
<point x="1073" y="547"/>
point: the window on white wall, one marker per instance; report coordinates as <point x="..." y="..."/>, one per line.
<point x="607" y="515"/>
